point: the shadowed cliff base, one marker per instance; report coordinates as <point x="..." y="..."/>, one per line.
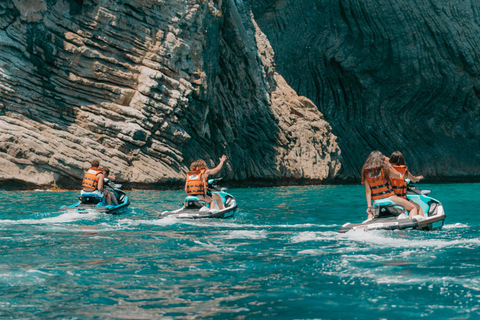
<point x="19" y="185"/>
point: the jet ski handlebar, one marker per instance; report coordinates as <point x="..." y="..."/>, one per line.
<point x="411" y="187"/>
<point x="213" y="181"/>
<point x="111" y="184"/>
<point x="212" y="184"/>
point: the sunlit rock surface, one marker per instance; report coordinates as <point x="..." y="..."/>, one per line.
<point x="388" y="75"/>
<point x="147" y="87"/>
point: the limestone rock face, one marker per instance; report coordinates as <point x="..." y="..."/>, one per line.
<point x="389" y="75"/>
<point x="148" y="86"/>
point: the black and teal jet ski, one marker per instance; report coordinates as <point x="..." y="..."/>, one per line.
<point x="92" y="202"/>
<point x="390" y="216"/>
<point x="194" y="208"/>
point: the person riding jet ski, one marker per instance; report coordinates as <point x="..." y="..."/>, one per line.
<point x="108" y="183"/>
<point x="397" y="160"/>
<point x="196" y="182"/>
<point x="376" y="174"/>
<point x="93" y="180"/>
<point x="97" y="194"/>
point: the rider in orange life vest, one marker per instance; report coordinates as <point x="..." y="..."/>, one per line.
<point x="376" y="174"/>
<point x="109" y="195"/>
<point x="397" y="160"/>
<point x="197" y="180"/>
<point x="93" y="180"/>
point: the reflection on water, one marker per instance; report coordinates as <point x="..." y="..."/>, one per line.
<point x="280" y="257"/>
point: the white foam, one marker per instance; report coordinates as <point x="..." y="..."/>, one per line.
<point x="39" y="272"/>
<point x="213" y="247"/>
<point x="313" y="236"/>
<point x="455" y="226"/>
<point x="443" y="281"/>
<point x="155" y="222"/>
<point x="313" y="252"/>
<point x="245" y="234"/>
<point x="64" y="217"/>
<point x="384" y="239"/>
<point x="31" y="277"/>
<point x="223" y="224"/>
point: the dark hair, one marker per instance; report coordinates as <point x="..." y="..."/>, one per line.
<point x="106" y="170"/>
<point x="375" y="163"/>
<point x="95" y="163"/>
<point x="397" y="158"/>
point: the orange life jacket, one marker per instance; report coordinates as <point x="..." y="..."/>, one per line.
<point x="196" y="183"/>
<point x="91" y="178"/>
<point x="400" y="185"/>
<point x="379" y="185"/>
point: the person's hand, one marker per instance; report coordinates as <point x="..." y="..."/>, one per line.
<point x="386" y="159"/>
<point x="223" y="158"/>
<point x="370" y="213"/>
<point x="418" y="178"/>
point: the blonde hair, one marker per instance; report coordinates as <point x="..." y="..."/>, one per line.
<point x="198" y="165"/>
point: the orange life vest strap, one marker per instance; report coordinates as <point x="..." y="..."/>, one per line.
<point x="400" y="185"/>
<point x="196" y="183"/>
<point x="380" y="187"/>
<point x="91" y="178"/>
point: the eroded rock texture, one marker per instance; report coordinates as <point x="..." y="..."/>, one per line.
<point x="388" y="75"/>
<point x="147" y="86"/>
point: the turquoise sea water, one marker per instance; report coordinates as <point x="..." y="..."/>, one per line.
<point x="280" y="257"/>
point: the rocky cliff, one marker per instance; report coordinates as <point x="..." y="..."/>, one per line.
<point x="388" y="75"/>
<point x="147" y="86"/>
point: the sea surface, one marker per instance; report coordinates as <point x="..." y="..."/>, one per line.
<point x="280" y="257"/>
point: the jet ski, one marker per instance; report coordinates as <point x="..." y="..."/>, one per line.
<point x="194" y="208"/>
<point x="92" y="202"/>
<point x="390" y="216"/>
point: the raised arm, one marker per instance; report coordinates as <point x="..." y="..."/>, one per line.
<point x="217" y="168"/>
<point x="394" y="173"/>
<point x="408" y="175"/>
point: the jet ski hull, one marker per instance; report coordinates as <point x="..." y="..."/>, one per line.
<point x="196" y="213"/>
<point x="429" y="224"/>
<point x="91" y="202"/>
<point x="195" y="208"/>
<point x="87" y="208"/>
<point x="390" y="216"/>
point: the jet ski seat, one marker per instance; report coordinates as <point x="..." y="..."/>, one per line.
<point x="386" y="208"/>
<point x="90" y="198"/>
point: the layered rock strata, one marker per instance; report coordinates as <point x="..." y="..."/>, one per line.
<point x="389" y="75"/>
<point x="147" y="86"/>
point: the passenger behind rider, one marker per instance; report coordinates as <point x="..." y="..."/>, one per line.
<point x="108" y="193"/>
<point x="397" y="160"/>
<point x="196" y="183"/>
<point x="376" y="175"/>
<point x="93" y="180"/>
